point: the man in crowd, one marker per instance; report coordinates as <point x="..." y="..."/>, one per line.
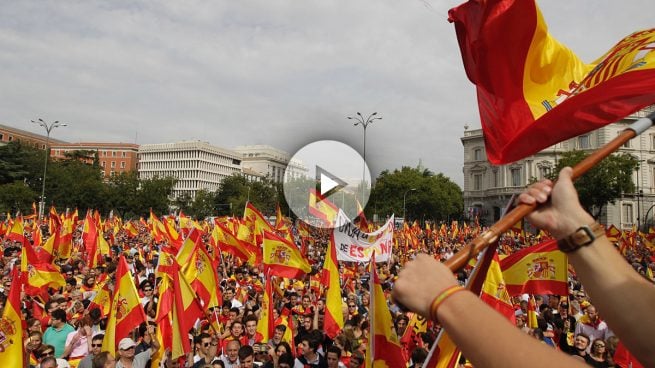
<point x="58" y="331"/>
<point x="96" y="348"/>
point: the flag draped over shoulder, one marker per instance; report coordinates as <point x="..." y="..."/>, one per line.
<point x="533" y="91"/>
<point x="11" y="326"/>
<point x="385" y="349"/>
<point x="540" y="269"/>
<point x="282" y="258"/>
<point x="333" y="321"/>
<point x="126" y="310"/>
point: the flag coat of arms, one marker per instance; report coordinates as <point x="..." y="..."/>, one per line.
<point x="532" y="90"/>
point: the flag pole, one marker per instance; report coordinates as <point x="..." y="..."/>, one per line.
<point x="471" y="250"/>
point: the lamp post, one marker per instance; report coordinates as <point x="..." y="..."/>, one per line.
<point x="404" y="198"/>
<point x="359" y="120"/>
<point x="48" y="128"/>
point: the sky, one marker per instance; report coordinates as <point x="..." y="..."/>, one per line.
<point x="282" y="73"/>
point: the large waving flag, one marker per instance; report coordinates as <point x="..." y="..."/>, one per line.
<point x="333" y="321"/>
<point x="38" y="274"/>
<point x="17" y="231"/>
<point x="186" y="310"/>
<point x="283" y="258"/>
<point x="533" y="91"/>
<point x="126" y="310"/>
<point x="11" y="326"/>
<point x="385" y="349"/>
<point x="201" y="274"/>
<point x="253" y="215"/>
<point x="540" y="269"/>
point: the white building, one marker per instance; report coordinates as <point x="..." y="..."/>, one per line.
<point x="270" y="162"/>
<point x="488" y="188"/>
<point x="196" y="165"/>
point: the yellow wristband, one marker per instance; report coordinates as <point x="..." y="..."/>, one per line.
<point x="439" y="299"/>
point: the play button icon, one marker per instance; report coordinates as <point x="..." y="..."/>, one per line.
<point x="327" y="183"/>
<point x="324" y="178"/>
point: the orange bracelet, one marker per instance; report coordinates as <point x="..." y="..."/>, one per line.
<point x="439" y="299"/>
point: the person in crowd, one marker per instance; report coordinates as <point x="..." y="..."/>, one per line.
<point x="104" y="360"/>
<point x="310" y="356"/>
<point x="429" y="288"/>
<point x="230" y="357"/>
<point x="58" y="331"/>
<point x="246" y="356"/>
<point x="598" y="357"/>
<point x="591" y="325"/>
<point x="126" y="352"/>
<point x="96" y="348"/>
<point x="78" y="343"/>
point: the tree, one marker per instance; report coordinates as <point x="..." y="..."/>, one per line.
<point x="123" y="193"/>
<point x="203" y="205"/>
<point x="603" y="183"/>
<point x="436" y="196"/>
<point x="235" y="191"/>
<point x="16" y="197"/>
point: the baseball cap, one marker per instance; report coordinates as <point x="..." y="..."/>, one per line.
<point x="126" y="343"/>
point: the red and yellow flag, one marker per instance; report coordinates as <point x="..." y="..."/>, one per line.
<point x="322" y="207"/>
<point x="126" y="310"/>
<point x="283" y="258"/>
<point x="494" y="292"/>
<point x="17" y="231"/>
<point x="533" y="91"/>
<point x="333" y="320"/>
<point x="540" y="269"/>
<point x="228" y="242"/>
<point x="265" y="325"/>
<point x="186" y="310"/>
<point x="201" y="274"/>
<point x="385" y="349"/>
<point x="13" y="354"/>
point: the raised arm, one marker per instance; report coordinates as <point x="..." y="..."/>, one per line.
<point x="621" y="295"/>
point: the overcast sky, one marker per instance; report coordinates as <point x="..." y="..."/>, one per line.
<point x="281" y="73"/>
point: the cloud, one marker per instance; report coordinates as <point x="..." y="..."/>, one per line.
<point x="260" y="72"/>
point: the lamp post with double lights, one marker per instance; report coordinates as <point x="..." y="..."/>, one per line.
<point x="404" y="201"/>
<point x="48" y="128"/>
<point x="359" y="120"/>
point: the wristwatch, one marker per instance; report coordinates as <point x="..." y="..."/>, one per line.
<point x="583" y="236"/>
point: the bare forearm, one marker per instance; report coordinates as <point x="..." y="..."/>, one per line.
<point x="488" y="340"/>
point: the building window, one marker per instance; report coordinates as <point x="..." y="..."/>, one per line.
<point x="627" y="213"/>
<point x="496" y="179"/>
<point x="123" y="154"/>
<point x="652" y="142"/>
<point x="122" y="164"/>
<point x="11" y="138"/>
<point x="113" y="164"/>
<point x="113" y="153"/>
<point x="583" y="141"/>
<point x="102" y="164"/>
<point x="1" y="136"/>
<point x="477" y="181"/>
<point x="104" y="153"/>
<point x="477" y="154"/>
<point x="516" y="177"/>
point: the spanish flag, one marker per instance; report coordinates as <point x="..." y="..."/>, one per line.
<point x="131" y="230"/>
<point x="532" y="90"/>
<point x="13" y="354"/>
<point x="201" y="274"/>
<point x="283" y="258"/>
<point x="385" y="349"/>
<point x="186" y="310"/>
<point x="252" y="213"/>
<point x="38" y="274"/>
<point x="333" y="321"/>
<point x="265" y="324"/>
<point x="17" y="231"/>
<point x="322" y="207"/>
<point x="540" y="269"/>
<point x="228" y="242"/>
<point x="126" y="310"/>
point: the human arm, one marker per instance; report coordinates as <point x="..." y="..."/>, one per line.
<point x="483" y="335"/>
<point x="621" y="295"/>
<point x="154" y="343"/>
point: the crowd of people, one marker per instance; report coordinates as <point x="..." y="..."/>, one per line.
<point x="67" y="328"/>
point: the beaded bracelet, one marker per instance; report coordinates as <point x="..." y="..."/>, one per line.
<point x="439" y="299"/>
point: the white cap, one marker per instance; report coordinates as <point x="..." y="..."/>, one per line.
<point x="126" y="343"/>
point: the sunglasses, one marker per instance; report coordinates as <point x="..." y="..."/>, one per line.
<point x="96" y="345"/>
<point x="46" y="353"/>
<point x="147" y="289"/>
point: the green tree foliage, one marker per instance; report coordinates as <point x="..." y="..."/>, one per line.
<point x="16" y="197"/>
<point x="604" y="183"/>
<point x="235" y="190"/>
<point x="436" y="197"/>
<point x="203" y="205"/>
<point x="21" y="162"/>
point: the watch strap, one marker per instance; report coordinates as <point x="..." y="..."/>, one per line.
<point x="583" y="236"/>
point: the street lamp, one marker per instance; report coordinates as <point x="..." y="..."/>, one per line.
<point x="404" y="198"/>
<point x="359" y="120"/>
<point x="48" y="128"/>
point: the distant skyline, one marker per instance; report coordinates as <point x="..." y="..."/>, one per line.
<point x="281" y="73"/>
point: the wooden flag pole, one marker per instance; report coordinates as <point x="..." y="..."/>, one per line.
<point x="471" y="250"/>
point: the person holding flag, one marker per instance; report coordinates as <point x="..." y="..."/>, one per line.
<point x="429" y="288"/>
